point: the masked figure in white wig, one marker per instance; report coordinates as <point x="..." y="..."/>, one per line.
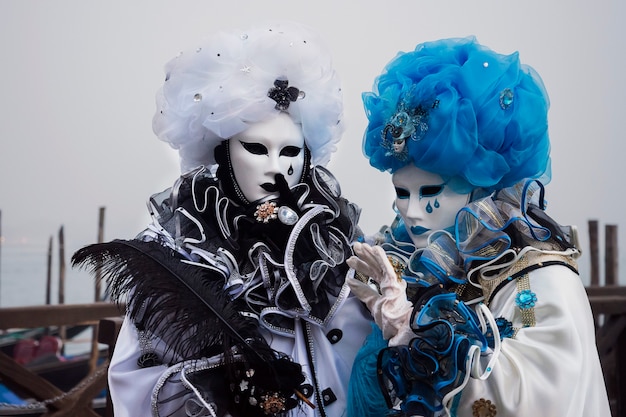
<point x="237" y="303"/>
<point x="474" y="288"/>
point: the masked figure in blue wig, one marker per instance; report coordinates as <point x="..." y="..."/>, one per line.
<point x="474" y="289"/>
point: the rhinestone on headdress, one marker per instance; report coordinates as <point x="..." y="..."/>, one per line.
<point x="266" y="212"/>
<point x="506" y="98"/>
<point x="283" y="95"/>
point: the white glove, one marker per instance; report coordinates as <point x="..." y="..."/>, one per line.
<point x="390" y="307"/>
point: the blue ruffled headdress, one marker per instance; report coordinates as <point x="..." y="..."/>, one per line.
<point x="456" y="108"/>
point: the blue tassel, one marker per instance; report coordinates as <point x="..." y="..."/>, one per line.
<point x="365" y="398"/>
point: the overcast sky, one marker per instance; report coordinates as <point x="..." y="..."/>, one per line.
<point x="78" y="82"/>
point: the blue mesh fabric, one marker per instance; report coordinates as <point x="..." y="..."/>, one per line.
<point x="485" y="115"/>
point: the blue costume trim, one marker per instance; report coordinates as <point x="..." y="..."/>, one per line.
<point x="433" y="363"/>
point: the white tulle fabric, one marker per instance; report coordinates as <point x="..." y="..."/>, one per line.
<point x="215" y="89"/>
<point x="551" y="369"/>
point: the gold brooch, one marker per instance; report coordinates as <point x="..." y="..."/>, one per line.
<point x="398" y="267"/>
<point x="483" y="408"/>
<point x="272" y="404"/>
<point x="266" y="212"/>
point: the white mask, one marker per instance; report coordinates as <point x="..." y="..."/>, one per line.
<point x="425" y="202"/>
<point x="267" y="148"/>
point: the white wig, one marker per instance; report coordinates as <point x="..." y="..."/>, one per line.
<point x="215" y="90"/>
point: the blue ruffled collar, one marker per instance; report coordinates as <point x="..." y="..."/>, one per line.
<point x="485" y="231"/>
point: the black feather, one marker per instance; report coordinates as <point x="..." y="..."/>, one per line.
<point x="186" y="306"/>
<point x="201" y="319"/>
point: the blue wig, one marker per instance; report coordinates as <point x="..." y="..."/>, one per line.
<point x="455" y="108"/>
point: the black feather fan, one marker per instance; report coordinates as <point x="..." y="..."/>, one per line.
<point x="159" y="288"/>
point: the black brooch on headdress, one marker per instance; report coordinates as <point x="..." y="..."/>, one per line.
<point x="405" y="123"/>
<point x="283" y="95"/>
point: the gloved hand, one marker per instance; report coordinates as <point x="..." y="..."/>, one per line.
<point x="390" y="307"/>
<point x="287" y="198"/>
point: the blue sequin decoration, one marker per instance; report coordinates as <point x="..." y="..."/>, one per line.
<point x="526" y="299"/>
<point x="505" y="328"/>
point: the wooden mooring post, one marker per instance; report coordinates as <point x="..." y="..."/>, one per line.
<point x="611" y="255"/>
<point x="594" y="253"/>
<point x="608" y="303"/>
<point x="62" y="329"/>
<point x="97" y="296"/>
<point x="49" y="274"/>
